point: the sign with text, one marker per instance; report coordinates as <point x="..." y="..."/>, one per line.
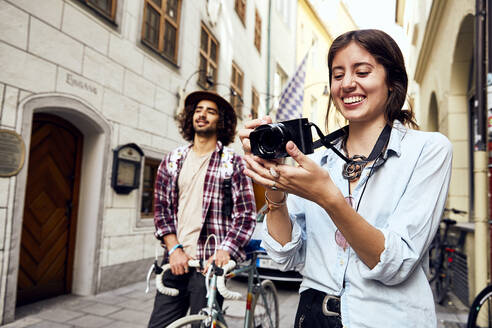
<point x="12" y="153"/>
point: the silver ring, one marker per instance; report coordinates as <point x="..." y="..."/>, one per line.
<point x="274" y="172"/>
<point x="273" y="187"/>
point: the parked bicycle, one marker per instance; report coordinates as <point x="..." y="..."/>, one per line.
<point x="261" y="308"/>
<point x="441" y="257"/>
<point x="480" y="314"/>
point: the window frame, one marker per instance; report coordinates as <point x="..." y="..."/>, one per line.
<point x="209" y="61"/>
<point x="257" y="31"/>
<point x="240" y="7"/>
<point x="255" y="103"/>
<point x="111" y="18"/>
<point x="155" y="163"/>
<point x="162" y="11"/>
<point x="237" y="75"/>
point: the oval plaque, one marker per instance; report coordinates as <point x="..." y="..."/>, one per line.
<point x="12" y="153"/>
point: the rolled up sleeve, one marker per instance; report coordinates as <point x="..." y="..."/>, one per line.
<point x="415" y="220"/>
<point x="293" y="253"/>
<point x="163" y="211"/>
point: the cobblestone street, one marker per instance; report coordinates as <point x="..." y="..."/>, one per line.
<point x="130" y="307"/>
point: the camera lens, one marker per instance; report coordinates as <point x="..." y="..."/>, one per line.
<point x="272" y="140"/>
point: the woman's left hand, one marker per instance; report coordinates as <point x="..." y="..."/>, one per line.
<point x="308" y="180"/>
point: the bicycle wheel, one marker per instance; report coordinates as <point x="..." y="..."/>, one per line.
<point x="481" y="309"/>
<point x="264" y="308"/>
<point x="194" y="320"/>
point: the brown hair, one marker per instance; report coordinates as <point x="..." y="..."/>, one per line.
<point x="226" y="125"/>
<point x="387" y="53"/>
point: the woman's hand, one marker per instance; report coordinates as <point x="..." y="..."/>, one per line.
<point x="307" y="180"/>
<point x="248" y="128"/>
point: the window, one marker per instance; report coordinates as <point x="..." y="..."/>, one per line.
<point x="279" y="81"/>
<point x="161" y="27"/>
<point x="240" y="6"/>
<point x="106" y="8"/>
<point x="237" y="89"/>
<point x="255" y="103"/>
<point x="209" y="49"/>
<point x="149" y="175"/>
<point x="258" y="31"/>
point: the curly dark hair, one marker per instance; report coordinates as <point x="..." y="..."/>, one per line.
<point x="226" y="125"/>
<point x="387" y="53"/>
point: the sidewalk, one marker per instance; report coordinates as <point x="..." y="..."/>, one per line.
<point x="453" y="314"/>
<point x="129" y="306"/>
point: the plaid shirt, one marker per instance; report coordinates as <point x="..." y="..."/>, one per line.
<point x="232" y="233"/>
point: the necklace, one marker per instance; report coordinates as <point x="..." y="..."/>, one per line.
<point x="354" y="165"/>
<point x="339" y="238"/>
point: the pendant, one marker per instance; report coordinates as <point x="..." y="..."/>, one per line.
<point x="340" y="240"/>
<point x="353" y="168"/>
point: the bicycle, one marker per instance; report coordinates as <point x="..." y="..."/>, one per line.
<point x="261" y="308"/>
<point x="441" y="257"/>
<point x="481" y="309"/>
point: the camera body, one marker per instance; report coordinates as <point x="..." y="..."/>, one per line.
<point x="268" y="141"/>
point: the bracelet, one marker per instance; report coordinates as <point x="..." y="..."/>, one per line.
<point x="174" y="248"/>
<point x="275" y="205"/>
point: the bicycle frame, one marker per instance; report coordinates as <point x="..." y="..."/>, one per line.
<point x="213" y="309"/>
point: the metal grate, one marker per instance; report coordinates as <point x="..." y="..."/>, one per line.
<point x="459" y="274"/>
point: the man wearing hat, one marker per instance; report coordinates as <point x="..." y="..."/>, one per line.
<point x="200" y="190"/>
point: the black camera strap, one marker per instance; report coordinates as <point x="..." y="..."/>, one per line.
<point x="353" y="166"/>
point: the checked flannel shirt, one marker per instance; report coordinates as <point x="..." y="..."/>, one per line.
<point x="232" y="233"/>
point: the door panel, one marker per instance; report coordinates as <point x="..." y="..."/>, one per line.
<point x="48" y="228"/>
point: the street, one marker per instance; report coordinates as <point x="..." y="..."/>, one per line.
<point x="129" y="306"/>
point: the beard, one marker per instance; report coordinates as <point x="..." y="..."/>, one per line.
<point x="206" y="131"/>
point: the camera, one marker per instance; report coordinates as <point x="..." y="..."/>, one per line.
<point x="268" y="141"/>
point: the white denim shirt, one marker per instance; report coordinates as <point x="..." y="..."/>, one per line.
<point x="404" y="199"/>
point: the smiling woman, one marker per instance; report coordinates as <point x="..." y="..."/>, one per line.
<point x="358" y="85"/>
<point x="361" y="238"/>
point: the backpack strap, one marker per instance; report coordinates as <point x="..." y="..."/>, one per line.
<point x="226" y="171"/>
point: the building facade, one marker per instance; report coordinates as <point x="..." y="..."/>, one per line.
<point x="82" y="78"/>
<point x="318" y="24"/>
<point x="442" y="89"/>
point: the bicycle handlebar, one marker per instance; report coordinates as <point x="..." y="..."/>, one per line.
<point x="168" y="290"/>
<point x="228" y="294"/>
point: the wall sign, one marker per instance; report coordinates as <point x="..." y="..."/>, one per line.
<point x="127" y="161"/>
<point x="12" y="153"/>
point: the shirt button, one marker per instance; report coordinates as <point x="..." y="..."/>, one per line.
<point x="341" y="262"/>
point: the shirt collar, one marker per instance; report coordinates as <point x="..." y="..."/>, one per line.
<point x="398" y="132"/>
<point x="218" y="146"/>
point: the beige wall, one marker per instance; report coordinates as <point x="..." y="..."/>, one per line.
<point x="442" y="87"/>
<point x="441" y="37"/>
<point x="57" y="56"/>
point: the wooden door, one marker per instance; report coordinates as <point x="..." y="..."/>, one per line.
<point x="50" y="210"/>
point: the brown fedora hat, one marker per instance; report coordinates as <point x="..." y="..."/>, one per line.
<point x="195" y="97"/>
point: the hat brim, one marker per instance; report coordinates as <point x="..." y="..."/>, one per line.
<point x="195" y="97"/>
